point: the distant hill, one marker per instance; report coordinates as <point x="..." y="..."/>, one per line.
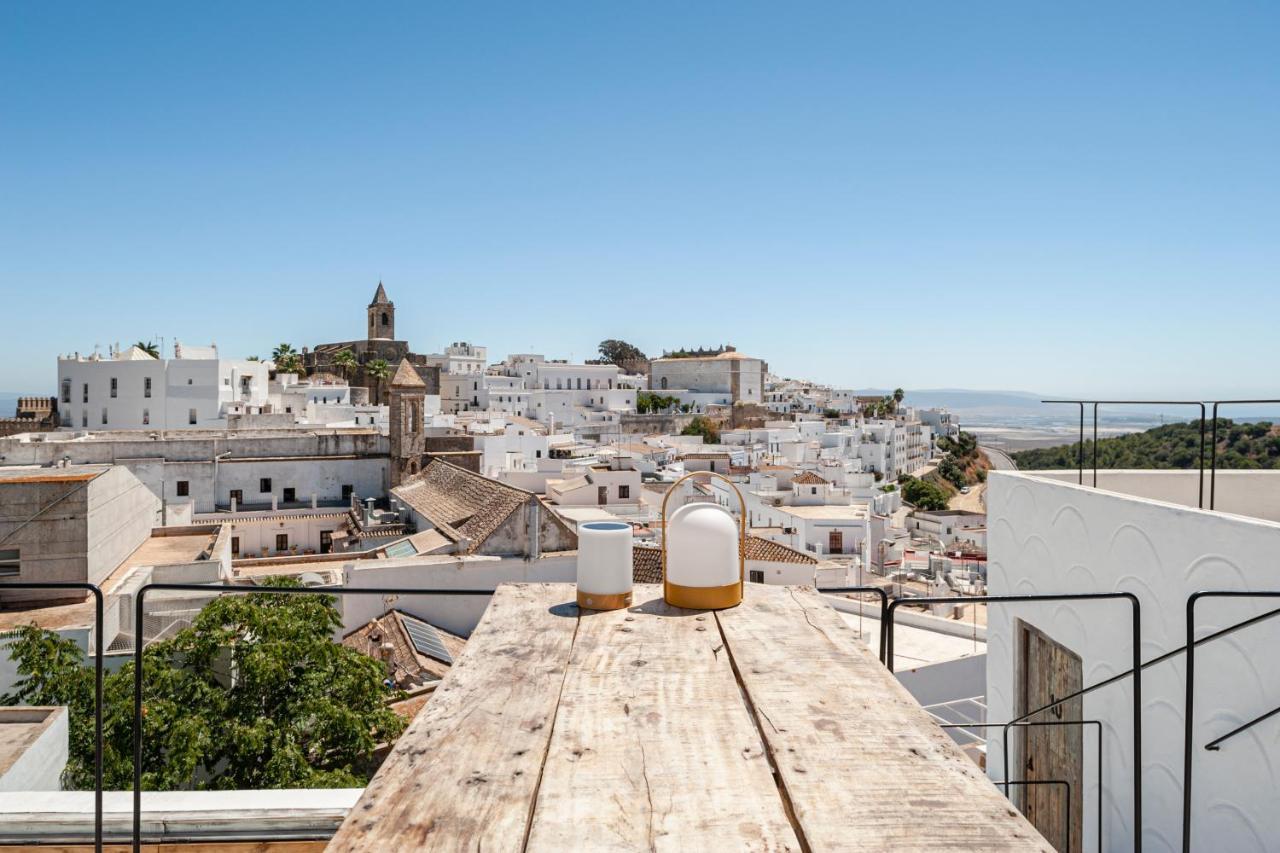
<point x="1240" y="445"/>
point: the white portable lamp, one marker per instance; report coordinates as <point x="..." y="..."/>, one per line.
<point x="703" y="552"/>
<point x="604" y="565"/>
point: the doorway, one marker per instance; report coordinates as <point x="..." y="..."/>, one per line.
<point x="1047" y="670"/>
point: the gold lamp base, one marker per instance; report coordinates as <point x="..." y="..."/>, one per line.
<point x="593" y="601"/>
<point x="704" y="597"/>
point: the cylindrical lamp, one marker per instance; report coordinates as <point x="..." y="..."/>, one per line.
<point x="604" y="565"/>
<point x="703" y="552"/>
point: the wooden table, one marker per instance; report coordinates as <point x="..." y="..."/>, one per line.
<point x="768" y="726"/>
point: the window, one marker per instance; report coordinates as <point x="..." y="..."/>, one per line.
<point x="282" y="541"/>
<point x="146" y="416"/>
<point x="10" y="564"/>
<point x="537" y="453"/>
<point x="264" y="485"/>
<point x="66" y="391"/>
<point x="115" y="386"/>
<point x="235" y="546"/>
<point x="191" y="416"/>
<point x="146" y="386"/>
<point x="347" y="491"/>
<point x="104" y="414"/>
<point x="663" y="383"/>
<point x="85" y="396"/>
<point x="84" y="418"/>
<point x="624" y="492"/>
<point x="755" y="576"/>
<point x="184" y="488"/>
<point x="237" y="496"/>
<point x="290" y="494"/>
<point x="579" y="383"/>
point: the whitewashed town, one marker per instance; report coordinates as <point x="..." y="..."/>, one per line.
<point x="664" y="427"/>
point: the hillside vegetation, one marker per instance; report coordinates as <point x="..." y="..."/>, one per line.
<point x="1240" y="445"/>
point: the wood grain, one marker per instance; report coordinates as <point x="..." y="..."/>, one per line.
<point x="464" y="774"/>
<point x="654" y="748"/>
<point x="863" y="765"/>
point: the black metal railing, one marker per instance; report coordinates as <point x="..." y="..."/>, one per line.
<point x="1213" y="452"/>
<point x="1066" y="830"/>
<point x="1096" y="403"/>
<point x="1136" y="627"/>
<point x="99" y="649"/>
<point x="884" y="608"/>
<point x="1005" y="726"/>
<point x="1188" y="763"/>
<point x="220" y="590"/>
<point x="1205" y="416"/>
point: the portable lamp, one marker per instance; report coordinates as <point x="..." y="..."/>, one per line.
<point x="703" y="552"/>
<point x="604" y="565"/>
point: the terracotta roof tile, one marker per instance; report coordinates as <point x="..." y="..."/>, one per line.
<point x="808" y="478"/>
<point x="454" y="498"/>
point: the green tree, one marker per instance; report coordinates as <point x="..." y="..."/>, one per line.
<point x="898" y="395"/>
<point x="255" y="694"/>
<point x="620" y="352"/>
<point x="379" y="370"/>
<point x="282" y="351"/>
<point x="345" y="360"/>
<point x="647" y="402"/>
<point x="704" y="427"/>
<point x="149" y="347"/>
<point x="924" y="495"/>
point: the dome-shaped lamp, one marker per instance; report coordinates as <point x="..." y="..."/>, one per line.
<point x="703" y="552"/>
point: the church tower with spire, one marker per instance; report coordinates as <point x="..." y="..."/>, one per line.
<point x="382" y="316"/>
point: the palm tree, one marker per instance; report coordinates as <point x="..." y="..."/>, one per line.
<point x="378" y="370"/>
<point x="345" y="361"/>
<point x="149" y="348"/>
<point x="898" y="394"/>
<point x="252" y="358"/>
<point x="290" y="363"/>
<point x="282" y="351"/>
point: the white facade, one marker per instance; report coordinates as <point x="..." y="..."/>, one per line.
<point x="1049" y="535"/>
<point x="132" y="390"/>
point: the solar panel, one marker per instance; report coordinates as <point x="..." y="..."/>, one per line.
<point x="403" y="548"/>
<point x="425" y="639"/>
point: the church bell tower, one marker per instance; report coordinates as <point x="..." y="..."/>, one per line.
<point x="382" y="316"/>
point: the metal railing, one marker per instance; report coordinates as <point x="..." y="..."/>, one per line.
<point x="1136" y="626"/>
<point x="99" y="650"/>
<point x="884" y="608"/>
<point x="243" y="590"/>
<point x="1213" y="452"/>
<point x="1205" y="414"/>
<point x="1005" y="726"/>
<point x="1096" y="403"/>
<point x="1066" y="830"/>
<point x="1188" y="764"/>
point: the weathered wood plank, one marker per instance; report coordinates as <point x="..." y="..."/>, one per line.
<point x="654" y="747"/>
<point x="863" y="765"/>
<point x="464" y="774"/>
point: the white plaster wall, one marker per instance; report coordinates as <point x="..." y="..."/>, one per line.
<point x="39" y="767"/>
<point x="1047" y="536"/>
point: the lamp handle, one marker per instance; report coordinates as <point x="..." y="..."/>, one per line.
<point x="742" y="529"/>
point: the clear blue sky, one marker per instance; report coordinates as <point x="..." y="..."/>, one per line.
<point x="1052" y="197"/>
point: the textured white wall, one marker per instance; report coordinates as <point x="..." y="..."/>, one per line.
<point x="1047" y="536"/>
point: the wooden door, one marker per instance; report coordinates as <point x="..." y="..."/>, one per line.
<point x="1049" y="670"/>
<point x="835" y="541"/>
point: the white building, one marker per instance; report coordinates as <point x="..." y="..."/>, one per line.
<point x="129" y="389"/>
<point x="1140" y="532"/>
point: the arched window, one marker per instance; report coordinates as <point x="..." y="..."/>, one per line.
<point x="663" y="383"/>
<point x="386" y="319"/>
